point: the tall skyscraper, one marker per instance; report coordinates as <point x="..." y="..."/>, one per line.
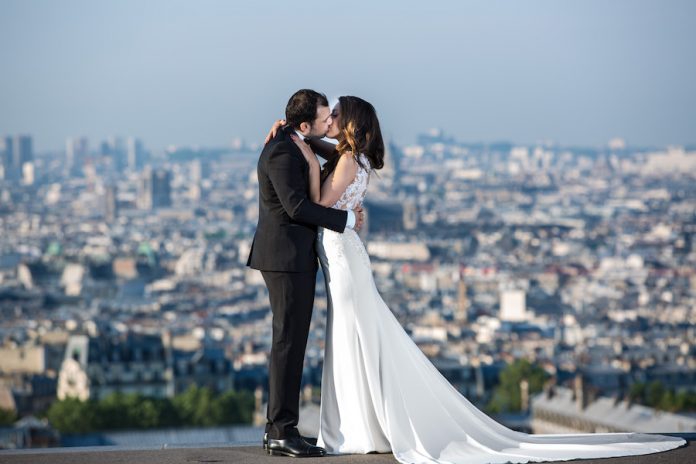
<point x="24" y="156"/>
<point x="161" y="188"/>
<point x="76" y="152"/>
<point x="135" y="155"/>
<point x="392" y="159"/>
<point x="110" y="203"/>
<point x="5" y="157"/>
<point x="144" y="199"/>
<point x="16" y="151"/>
<point x="23" y="150"/>
<point x="115" y="148"/>
<point x="154" y="189"/>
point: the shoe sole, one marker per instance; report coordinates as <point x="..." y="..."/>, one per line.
<point x="293" y="455"/>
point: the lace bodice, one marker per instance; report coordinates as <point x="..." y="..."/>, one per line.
<point x="354" y="194"/>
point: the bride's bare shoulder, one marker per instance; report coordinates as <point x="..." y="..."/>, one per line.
<point x="347" y="159"/>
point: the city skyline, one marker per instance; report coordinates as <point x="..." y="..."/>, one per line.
<point x="573" y="74"/>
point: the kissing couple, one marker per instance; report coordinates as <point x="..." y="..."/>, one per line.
<point x="379" y="392"/>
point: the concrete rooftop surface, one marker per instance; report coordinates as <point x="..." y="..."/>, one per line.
<point x="254" y="454"/>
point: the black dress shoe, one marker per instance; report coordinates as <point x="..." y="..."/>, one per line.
<point x="311" y="441"/>
<point x="295" y="447"/>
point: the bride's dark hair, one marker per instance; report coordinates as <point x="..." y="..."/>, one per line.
<point x="359" y="127"/>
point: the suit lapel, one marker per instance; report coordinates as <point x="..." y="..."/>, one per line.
<point x="287" y="131"/>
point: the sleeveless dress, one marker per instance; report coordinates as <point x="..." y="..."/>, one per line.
<point x="380" y="393"/>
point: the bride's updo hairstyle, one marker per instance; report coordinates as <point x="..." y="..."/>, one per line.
<point x="360" y="133"/>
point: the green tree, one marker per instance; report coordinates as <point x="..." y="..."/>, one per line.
<point x="72" y="415"/>
<point x="637" y="392"/>
<point x="654" y="392"/>
<point x="7" y="417"/>
<point x="507" y="395"/>
<point x="167" y="413"/>
<point x="195" y="406"/>
<point x="112" y="412"/>
<point x="119" y="411"/>
<point x="142" y="411"/>
<point x="668" y="401"/>
<point x="234" y="408"/>
<point x="656" y="395"/>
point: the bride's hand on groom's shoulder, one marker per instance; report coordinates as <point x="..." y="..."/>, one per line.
<point x="306" y="150"/>
<point x="274" y="130"/>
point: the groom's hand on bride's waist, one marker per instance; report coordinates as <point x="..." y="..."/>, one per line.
<point x="359" y="218"/>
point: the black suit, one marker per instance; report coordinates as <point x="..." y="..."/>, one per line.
<point x="283" y="250"/>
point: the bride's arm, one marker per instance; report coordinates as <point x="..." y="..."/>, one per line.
<point x="332" y="190"/>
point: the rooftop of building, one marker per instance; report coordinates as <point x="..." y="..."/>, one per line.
<point x="254" y="454"/>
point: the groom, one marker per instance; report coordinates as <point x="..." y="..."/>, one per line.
<point x="283" y="250"/>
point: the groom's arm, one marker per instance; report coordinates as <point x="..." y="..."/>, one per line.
<point x="285" y="171"/>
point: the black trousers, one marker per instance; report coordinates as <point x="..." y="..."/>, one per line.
<point x="292" y="299"/>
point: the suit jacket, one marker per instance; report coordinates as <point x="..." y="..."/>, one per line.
<point x="288" y="220"/>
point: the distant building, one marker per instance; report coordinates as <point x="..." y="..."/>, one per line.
<point x="565" y="410"/>
<point x="23" y="359"/>
<point x="513" y="306"/>
<point x="16" y="152"/>
<point x="204" y="367"/>
<point x="675" y="159"/>
<point x="135" y="154"/>
<point x="617" y="144"/>
<point x="390" y="173"/>
<point x="462" y="315"/>
<point x="110" y="203"/>
<point x="73" y="278"/>
<point x="23" y="151"/>
<point x="76" y="152"/>
<point x="154" y="190"/>
<point x="115" y="149"/>
<point x="410" y="218"/>
<point x="29" y="432"/>
<point x="414" y="251"/>
<point x="434" y="136"/>
<point x="5" y="157"/>
<point x="27" y="393"/>
<point x="146" y="364"/>
<point x="161" y="188"/>
<point x="28" y="173"/>
<point x="385" y="217"/>
<point x="94" y="367"/>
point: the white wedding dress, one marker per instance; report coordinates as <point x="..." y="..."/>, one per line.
<point x="380" y="393"/>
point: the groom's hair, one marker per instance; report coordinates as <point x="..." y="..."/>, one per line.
<point x="302" y="107"/>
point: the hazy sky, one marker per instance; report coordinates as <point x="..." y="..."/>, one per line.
<point x="204" y="72"/>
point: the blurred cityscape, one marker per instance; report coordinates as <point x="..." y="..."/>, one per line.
<point x="122" y="269"/>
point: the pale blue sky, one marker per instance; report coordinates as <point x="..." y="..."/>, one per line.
<point x="203" y="72"/>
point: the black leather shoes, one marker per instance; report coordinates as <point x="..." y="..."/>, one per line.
<point x="295" y="447"/>
<point x="311" y="441"/>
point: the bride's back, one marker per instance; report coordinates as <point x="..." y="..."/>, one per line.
<point x="354" y="194"/>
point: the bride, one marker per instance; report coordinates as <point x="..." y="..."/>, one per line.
<point x="379" y="392"/>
